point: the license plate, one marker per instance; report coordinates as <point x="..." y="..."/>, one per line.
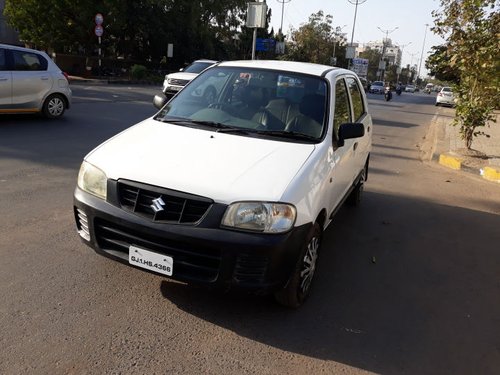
<point x="150" y="260"/>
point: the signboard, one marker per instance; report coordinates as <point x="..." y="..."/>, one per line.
<point x="350" y="52"/>
<point x="170" y="50"/>
<point x="360" y="67"/>
<point x="98" y="30"/>
<point x="99" y="19"/>
<point x="256" y="15"/>
<point x="265" y="44"/>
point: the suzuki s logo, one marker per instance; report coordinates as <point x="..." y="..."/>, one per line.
<point x="157" y="205"/>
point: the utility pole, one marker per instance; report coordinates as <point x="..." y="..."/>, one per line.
<point x="282" y="2"/>
<point x="382" y="66"/>
<point x="401" y="62"/>
<point x="356" y="3"/>
<point x="422" y="54"/>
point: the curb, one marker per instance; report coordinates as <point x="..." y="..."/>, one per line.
<point x="456" y="163"/>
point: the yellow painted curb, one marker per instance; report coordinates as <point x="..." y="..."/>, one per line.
<point x="450" y="161"/>
<point x="491" y="174"/>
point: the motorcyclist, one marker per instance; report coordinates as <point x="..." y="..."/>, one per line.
<point x="399" y="88"/>
<point x="387" y="92"/>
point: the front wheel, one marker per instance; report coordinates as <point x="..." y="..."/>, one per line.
<point x="297" y="290"/>
<point x="54" y="106"/>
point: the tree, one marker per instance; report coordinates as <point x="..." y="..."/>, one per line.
<point x="373" y="56"/>
<point x="313" y="41"/>
<point x="438" y="65"/>
<point x="471" y="28"/>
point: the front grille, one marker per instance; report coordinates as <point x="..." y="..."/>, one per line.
<point x="191" y="263"/>
<point x="162" y="205"/>
<point x="250" y="268"/>
<point x="178" y="82"/>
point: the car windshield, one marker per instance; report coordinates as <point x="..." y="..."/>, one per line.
<point x="447" y="89"/>
<point x="197" y="67"/>
<point x="252" y="102"/>
<point x="378" y="83"/>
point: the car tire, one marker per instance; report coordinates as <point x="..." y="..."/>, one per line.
<point x="54" y="106"/>
<point x="356" y="195"/>
<point x="298" y="287"/>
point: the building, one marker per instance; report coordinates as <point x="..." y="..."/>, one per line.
<point x="7" y="34"/>
<point x="392" y="53"/>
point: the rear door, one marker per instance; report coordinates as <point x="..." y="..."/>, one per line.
<point x="30" y="80"/>
<point x="5" y="81"/>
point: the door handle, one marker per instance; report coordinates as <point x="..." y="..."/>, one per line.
<point x="3" y="79"/>
<point x="45" y="78"/>
<point x="355" y="146"/>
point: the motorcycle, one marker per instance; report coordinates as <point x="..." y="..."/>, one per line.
<point x="398" y="90"/>
<point x="387" y="93"/>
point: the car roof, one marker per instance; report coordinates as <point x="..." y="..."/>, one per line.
<point x="19" y="48"/>
<point x="289" y="66"/>
<point x="205" y="61"/>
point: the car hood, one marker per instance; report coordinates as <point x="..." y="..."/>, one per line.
<point x="221" y="166"/>
<point x="182" y="75"/>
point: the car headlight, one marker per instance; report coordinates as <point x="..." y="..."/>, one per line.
<point x="260" y="216"/>
<point x="92" y="180"/>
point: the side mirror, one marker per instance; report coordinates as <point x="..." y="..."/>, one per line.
<point x="350" y="130"/>
<point x="159" y="101"/>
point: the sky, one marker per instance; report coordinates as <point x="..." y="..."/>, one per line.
<point x="409" y="16"/>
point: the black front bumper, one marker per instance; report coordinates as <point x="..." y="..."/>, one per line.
<point x="203" y="253"/>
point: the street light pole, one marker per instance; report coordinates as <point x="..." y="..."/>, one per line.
<point x="401" y="62"/>
<point x="411" y="62"/>
<point x="386" y="32"/>
<point x="356" y="3"/>
<point x="422" y="54"/>
<point x="282" y="2"/>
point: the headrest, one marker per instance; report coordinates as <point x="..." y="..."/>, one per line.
<point x="313" y="106"/>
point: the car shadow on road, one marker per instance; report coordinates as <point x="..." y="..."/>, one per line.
<point x="391" y="296"/>
<point x="397" y="124"/>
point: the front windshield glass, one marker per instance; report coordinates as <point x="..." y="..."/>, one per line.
<point x="197" y="67"/>
<point x="254" y="102"/>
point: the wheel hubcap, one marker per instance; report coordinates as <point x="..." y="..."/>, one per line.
<point x="56" y="106"/>
<point x="309" y="264"/>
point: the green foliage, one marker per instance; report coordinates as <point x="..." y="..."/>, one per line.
<point x="314" y="41"/>
<point x="472" y="29"/>
<point x="138" y="71"/>
<point x="438" y="64"/>
<point x="373" y="56"/>
<point x="139" y="30"/>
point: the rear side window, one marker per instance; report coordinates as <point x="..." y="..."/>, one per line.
<point x="357" y="100"/>
<point x="342" y="113"/>
<point x="3" y="60"/>
<point x="28" y="61"/>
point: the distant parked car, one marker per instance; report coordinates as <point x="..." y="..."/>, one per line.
<point x="30" y="82"/>
<point x="410" y="88"/>
<point x="174" y="82"/>
<point x="445" y="97"/>
<point x="377" y="87"/>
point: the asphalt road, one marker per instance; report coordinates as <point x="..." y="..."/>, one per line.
<point x="407" y="284"/>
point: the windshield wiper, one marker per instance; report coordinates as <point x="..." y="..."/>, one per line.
<point x="221" y="128"/>
<point x="287" y="134"/>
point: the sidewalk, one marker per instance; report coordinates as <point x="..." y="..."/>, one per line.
<point x="484" y="157"/>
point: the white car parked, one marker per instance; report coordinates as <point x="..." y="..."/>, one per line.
<point x="174" y="82"/>
<point x="233" y="193"/>
<point x="30" y="82"/>
<point x="446" y="97"/>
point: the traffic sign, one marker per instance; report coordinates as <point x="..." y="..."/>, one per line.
<point x="98" y="30"/>
<point x="99" y="19"/>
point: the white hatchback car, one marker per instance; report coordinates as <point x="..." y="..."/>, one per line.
<point x="233" y="193"/>
<point x="31" y="82"/>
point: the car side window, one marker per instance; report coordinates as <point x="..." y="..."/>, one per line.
<point x="28" y="61"/>
<point x="357" y="99"/>
<point x="342" y="112"/>
<point x="3" y="59"/>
